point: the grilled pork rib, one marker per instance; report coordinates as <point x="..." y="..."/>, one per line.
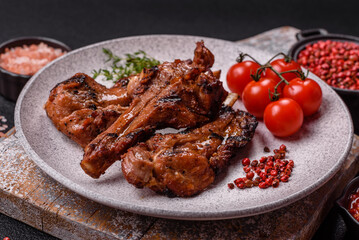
<point x="114" y="124"/>
<point x="81" y="108"/>
<point x="175" y="94"/>
<point x="186" y="163"/>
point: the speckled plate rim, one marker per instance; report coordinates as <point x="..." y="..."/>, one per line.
<point x="158" y="212"/>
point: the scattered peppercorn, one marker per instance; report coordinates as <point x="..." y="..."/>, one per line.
<point x="248" y="183"/>
<point x="261" y="165"/>
<point x="246" y="161"/>
<point x="254" y="163"/>
<point x="274" y="173"/>
<point x="284" y="178"/>
<point x="283" y="148"/>
<point x="275" y="183"/>
<point x="250" y="175"/>
<point x="270" y="170"/>
<point x="263" y="159"/>
<point x="256" y="181"/>
<point x="269" y="181"/>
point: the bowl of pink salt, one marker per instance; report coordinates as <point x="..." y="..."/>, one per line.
<point x="21" y="58"/>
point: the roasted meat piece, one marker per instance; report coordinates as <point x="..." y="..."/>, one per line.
<point x="175" y="94"/>
<point x="81" y="108"/>
<point x="83" y="125"/>
<point x="186" y="163"/>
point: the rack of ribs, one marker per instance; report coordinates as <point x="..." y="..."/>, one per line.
<point x="177" y="94"/>
<point x="185" y="163"/>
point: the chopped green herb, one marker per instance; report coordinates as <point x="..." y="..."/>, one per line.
<point x="124" y="67"/>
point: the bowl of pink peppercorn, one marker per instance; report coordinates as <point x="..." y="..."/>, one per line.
<point x="335" y="59"/>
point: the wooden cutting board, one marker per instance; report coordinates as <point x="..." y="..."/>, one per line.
<point x="29" y="195"/>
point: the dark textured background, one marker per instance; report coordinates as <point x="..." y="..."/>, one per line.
<point x="79" y="23"/>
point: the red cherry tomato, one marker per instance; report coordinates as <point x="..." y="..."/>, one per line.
<point x="283" y="117"/>
<point x="280" y="65"/>
<point x="307" y="93"/>
<point x="256" y="95"/>
<point x="239" y="75"/>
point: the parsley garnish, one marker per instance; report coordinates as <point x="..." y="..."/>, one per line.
<point x="124" y="67"/>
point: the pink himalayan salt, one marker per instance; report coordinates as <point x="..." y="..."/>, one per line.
<point x="27" y="60"/>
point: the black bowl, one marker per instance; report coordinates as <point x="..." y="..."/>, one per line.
<point x="310" y="36"/>
<point x="11" y="83"/>
<point x="343" y="203"/>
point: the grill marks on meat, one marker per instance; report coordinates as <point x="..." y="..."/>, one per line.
<point x="175" y="94"/>
<point x="186" y="163"/>
<point x="79" y="92"/>
<point x="81" y="108"/>
<point x="83" y="125"/>
<point x="114" y="124"/>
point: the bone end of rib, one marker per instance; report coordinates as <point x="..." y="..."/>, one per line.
<point x="231" y="99"/>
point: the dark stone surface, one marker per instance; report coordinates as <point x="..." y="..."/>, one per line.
<point x="14" y="229"/>
<point x="82" y="22"/>
<point x="7" y="110"/>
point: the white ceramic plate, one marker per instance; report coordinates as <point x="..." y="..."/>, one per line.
<point x="318" y="149"/>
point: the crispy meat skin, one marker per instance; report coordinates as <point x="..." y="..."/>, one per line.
<point x="83" y="125"/>
<point x="185" y="164"/>
<point x="175" y="94"/>
<point x="81" y="108"/>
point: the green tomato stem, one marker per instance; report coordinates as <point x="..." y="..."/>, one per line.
<point x="299" y="73"/>
<point x="242" y="55"/>
<point x="276" y="94"/>
<point x="285" y="56"/>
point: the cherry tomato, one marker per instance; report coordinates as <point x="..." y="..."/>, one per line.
<point x="280" y="65"/>
<point x="283" y="117"/>
<point x="239" y="75"/>
<point x="307" y="93"/>
<point x="256" y="95"/>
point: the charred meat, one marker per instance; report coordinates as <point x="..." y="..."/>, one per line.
<point x="186" y="163"/>
<point x="119" y="123"/>
<point x="177" y="94"/>
<point x="84" y="125"/>
<point x="81" y="108"/>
